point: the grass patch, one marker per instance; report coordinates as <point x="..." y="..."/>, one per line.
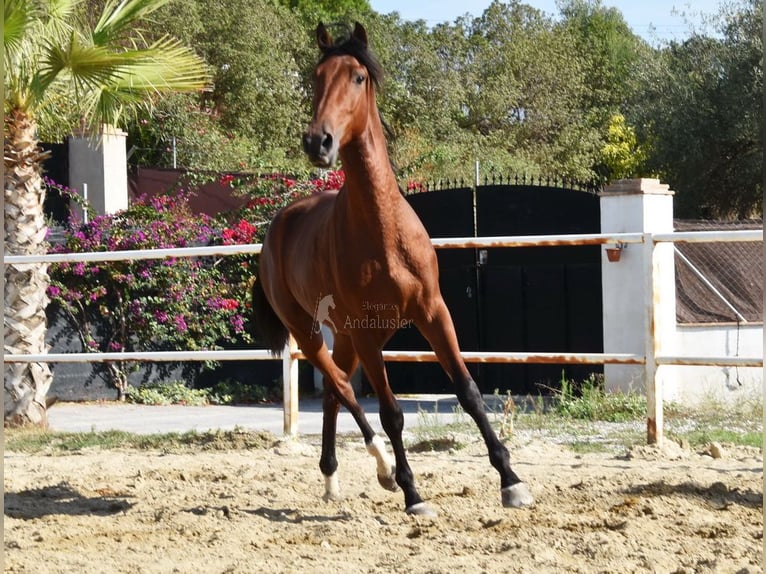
<point x="589" y="401"/>
<point x="433" y="434"/>
<point x="738" y="422"/>
<point x="34" y="441"/>
<point x="702" y="437"/>
<point x="586" y="418"/>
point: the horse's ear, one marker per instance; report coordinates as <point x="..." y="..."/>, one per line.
<point x="324" y="40"/>
<point x="360" y="34"/>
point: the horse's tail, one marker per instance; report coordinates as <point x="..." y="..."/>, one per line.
<point x="269" y="328"/>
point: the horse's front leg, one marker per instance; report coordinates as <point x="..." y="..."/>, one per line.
<point x="337" y="392"/>
<point x="392" y="419"/>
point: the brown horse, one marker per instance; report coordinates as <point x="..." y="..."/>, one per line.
<point x="354" y="253"/>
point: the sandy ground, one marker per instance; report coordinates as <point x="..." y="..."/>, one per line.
<point x="242" y="511"/>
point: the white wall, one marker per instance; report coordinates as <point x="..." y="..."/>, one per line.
<point x="725" y="384"/>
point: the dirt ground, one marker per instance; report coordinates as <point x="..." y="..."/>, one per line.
<point x="250" y="511"/>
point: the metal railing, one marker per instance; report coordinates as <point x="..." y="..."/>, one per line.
<point x="651" y="359"/>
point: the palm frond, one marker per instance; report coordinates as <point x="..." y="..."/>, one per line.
<point x="59" y="17"/>
<point x="18" y="16"/>
<point x="119" y="15"/>
<point x="166" y="65"/>
<point x="86" y="67"/>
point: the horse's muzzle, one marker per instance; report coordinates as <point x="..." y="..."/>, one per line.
<point x="321" y="148"/>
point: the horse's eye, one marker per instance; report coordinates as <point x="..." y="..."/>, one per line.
<point x="360" y="78"/>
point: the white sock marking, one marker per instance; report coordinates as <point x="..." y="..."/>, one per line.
<point x="377" y="448"/>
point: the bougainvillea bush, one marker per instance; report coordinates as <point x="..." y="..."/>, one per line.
<point x="146" y="305"/>
<point x="175" y="303"/>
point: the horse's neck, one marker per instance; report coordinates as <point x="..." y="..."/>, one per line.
<point x="372" y="189"/>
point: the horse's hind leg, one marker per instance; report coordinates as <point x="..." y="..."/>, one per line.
<point x="338" y="391"/>
<point x="439" y="330"/>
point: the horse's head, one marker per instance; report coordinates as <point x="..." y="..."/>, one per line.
<point x="344" y="93"/>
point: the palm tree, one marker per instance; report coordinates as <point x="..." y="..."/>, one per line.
<point x="98" y="75"/>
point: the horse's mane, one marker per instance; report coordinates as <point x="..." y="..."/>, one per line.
<point x="352" y="46"/>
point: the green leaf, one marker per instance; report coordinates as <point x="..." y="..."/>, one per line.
<point x="118" y="16"/>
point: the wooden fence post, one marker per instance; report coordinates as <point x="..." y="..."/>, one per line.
<point x="654" y="418"/>
<point x="290" y="388"/>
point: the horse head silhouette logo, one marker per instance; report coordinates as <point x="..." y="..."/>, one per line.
<point x="322" y="313"/>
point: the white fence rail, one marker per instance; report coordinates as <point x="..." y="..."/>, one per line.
<point x="651" y="359"/>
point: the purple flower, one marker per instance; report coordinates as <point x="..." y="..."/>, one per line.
<point x="53" y="291"/>
<point x="238" y="322"/>
<point x="161" y="316"/>
<point x="79" y="269"/>
<point x="180" y="323"/>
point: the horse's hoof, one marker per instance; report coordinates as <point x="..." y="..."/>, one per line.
<point x="332" y="488"/>
<point x="517" y="496"/>
<point x="421" y="509"/>
<point x="388" y="482"/>
<point x="332" y="497"/>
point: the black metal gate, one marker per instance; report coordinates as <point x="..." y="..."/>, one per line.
<point x="511" y="299"/>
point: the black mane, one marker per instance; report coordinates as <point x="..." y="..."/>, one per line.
<point x="352" y="46"/>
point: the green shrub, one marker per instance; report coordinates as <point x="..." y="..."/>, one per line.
<point x="231" y="392"/>
<point x="170" y="393"/>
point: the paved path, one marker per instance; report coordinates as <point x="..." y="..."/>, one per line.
<point x="143" y="419"/>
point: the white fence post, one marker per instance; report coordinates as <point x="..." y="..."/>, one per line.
<point x="653" y="384"/>
<point x="290" y="387"/>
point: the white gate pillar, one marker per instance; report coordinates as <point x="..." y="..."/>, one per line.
<point x="100" y="162"/>
<point x="638" y="206"/>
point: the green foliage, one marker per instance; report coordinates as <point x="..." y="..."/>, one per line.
<point x="258" y="90"/>
<point x="170" y="393"/>
<point x="312" y="11"/>
<point x="701" y="108"/>
<point x="222" y="393"/>
<point x="621" y="154"/>
<point x="230" y="392"/>
<point x="589" y="401"/>
<point x="200" y="141"/>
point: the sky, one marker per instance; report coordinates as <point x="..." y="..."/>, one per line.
<point x="657" y="21"/>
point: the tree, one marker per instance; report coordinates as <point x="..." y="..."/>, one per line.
<point x="610" y="52"/>
<point x="621" y="156"/>
<point x="526" y="83"/>
<point x="256" y="50"/>
<point x="102" y="73"/>
<point x="326" y="11"/>
<point x="702" y="110"/>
